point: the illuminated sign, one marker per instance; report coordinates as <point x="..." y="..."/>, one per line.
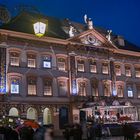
<point x="2" y="70"/>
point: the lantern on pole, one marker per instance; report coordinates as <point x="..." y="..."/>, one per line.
<point x="39" y="28"/>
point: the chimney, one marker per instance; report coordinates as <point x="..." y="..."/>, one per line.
<point x="120" y="40"/>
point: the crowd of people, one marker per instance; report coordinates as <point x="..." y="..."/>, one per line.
<point x="26" y="133"/>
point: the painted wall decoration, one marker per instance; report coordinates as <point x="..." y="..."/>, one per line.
<point x="2" y="70"/>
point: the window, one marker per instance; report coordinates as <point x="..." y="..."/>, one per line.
<point x="80" y="65"/>
<point x="120" y="90"/>
<point x="14" y="59"/>
<point x="62" y="87"/>
<point x="31" y="86"/>
<point x="94" y="89"/>
<point x="118" y="70"/>
<point x="61" y="62"/>
<point x="81" y="89"/>
<point x="128" y="71"/>
<point x="93" y="68"/>
<point x="14" y="86"/>
<point x="105" y="69"/>
<point x="137" y="72"/>
<point x="31" y="58"/>
<point x="47" y="62"/>
<point x="138" y="90"/>
<point x="129" y="91"/>
<point x="48" y="87"/>
<point x="107" y="89"/>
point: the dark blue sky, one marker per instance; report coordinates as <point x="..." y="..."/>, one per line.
<point x="122" y="16"/>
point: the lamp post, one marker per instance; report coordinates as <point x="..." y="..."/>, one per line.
<point x="39" y="28"/>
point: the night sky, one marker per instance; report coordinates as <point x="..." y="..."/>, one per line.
<point x="121" y="16"/>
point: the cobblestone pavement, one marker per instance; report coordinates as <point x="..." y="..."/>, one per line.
<point x="107" y="138"/>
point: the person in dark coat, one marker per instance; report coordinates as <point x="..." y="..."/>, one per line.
<point x="77" y="132"/>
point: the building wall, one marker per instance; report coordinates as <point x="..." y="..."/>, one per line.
<point x="23" y="101"/>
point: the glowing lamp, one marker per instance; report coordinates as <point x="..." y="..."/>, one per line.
<point x="39" y="29"/>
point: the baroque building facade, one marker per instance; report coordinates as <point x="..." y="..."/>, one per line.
<point x="49" y="79"/>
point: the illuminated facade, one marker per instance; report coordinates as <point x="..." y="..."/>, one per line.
<point x="50" y="78"/>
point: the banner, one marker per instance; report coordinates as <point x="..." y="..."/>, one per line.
<point x="73" y="76"/>
<point x="2" y="70"/>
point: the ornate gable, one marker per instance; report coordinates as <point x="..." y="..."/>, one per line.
<point x="93" y="38"/>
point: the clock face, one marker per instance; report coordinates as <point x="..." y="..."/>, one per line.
<point x="91" y="39"/>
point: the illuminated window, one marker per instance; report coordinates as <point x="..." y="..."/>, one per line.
<point x="48" y="87"/>
<point x="80" y="65"/>
<point x="47" y="62"/>
<point x="138" y="90"/>
<point x="31" y="86"/>
<point x="62" y="84"/>
<point x="81" y="89"/>
<point x="94" y="89"/>
<point x="14" y="59"/>
<point x="118" y="70"/>
<point x="137" y="72"/>
<point x="31" y="58"/>
<point x="129" y="91"/>
<point x="61" y="63"/>
<point x="128" y="71"/>
<point x="120" y="90"/>
<point x="105" y="69"/>
<point x="93" y="67"/>
<point x="107" y="89"/>
<point x="14" y="86"/>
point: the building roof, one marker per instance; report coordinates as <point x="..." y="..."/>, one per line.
<point x="58" y="28"/>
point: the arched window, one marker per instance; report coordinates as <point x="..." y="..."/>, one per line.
<point x="107" y="88"/>
<point x="32" y="113"/>
<point x="120" y="90"/>
<point x="81" y="88"/>
<point x="47" y="116"/>
<point x="94" y="86"/>
<point x="13" y="112"/>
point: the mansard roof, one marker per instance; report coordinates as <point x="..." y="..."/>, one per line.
<point x="58" y="28"/>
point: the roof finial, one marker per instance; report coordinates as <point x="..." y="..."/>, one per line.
<point x="108" y="36"/>
<point x="88" y="21"/>
<point x="72" y="31"/>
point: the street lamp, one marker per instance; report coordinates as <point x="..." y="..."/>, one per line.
<point x="39" y="28"/>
